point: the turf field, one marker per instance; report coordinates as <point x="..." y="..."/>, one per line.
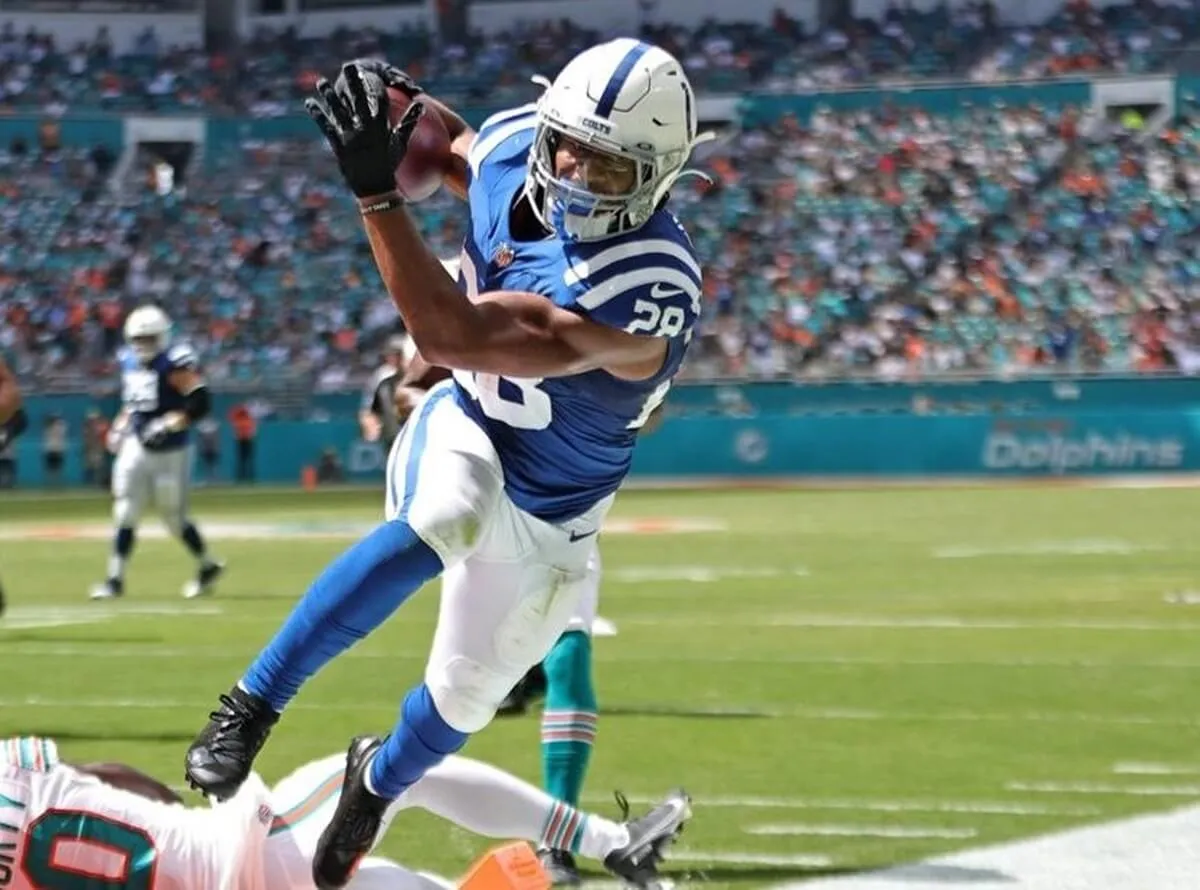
<point x="843" y="680"/>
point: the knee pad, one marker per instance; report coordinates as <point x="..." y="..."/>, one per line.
<point x="126" y="511"/>
<point x="173" y="519"/>
<point x="466" y="692"/>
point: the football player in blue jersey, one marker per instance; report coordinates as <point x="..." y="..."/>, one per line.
<point x="577" y="295"/>
<point x="162" y="395"/>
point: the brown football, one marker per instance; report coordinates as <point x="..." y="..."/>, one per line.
<point x="428" y="157"/>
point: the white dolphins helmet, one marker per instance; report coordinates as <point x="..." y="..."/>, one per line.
<point x="625" y="98"/>
<point x="146" y="331"/>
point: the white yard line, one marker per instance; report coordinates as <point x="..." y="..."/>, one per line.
<point x="1104" y="788"/>
<point x="697" y="574"/>
<point x="833" y="715"/>
<point x="897" y="832"/>
<point x="1078" y="547"/>
<point x="733" y="857"/>
<point x="868" y="621"/>
<point x="969" y="807"/>
<point x="1137" y="768"/>
<point x="602" y="627"/>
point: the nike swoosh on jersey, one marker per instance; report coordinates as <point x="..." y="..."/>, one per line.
<point x="661" y="291"/>
<point x="579" y="536"/>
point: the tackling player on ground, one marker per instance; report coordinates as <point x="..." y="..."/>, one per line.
<point x="106" y="825"/>
<point x="162" y="396"/>
<point x="579" y="292"/>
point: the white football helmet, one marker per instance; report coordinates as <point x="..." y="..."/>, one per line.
<point x="146" y="332"/>
<point x="625" y="98"/>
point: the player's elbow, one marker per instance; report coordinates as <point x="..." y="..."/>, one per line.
<point x="452" y="345"/>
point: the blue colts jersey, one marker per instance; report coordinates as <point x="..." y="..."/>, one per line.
<point x="566" y="442"/>
<point x="146" y="392"/>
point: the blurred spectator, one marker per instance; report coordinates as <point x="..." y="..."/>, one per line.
<point x="269" y="74"/>
<point x="245" y="430"/>
<point x="54" y="447"/>
<point x="95" y="451"/>
<point x="208" y="440"/>
<point x="329" y="467"/>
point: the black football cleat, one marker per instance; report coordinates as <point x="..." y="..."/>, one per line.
<point x="560" y="868"/>
<point x="110" y="589"/>
<point x="205" y="580"/>
<point x="531" y="688"/>
<point x="220" y="758"/>
<point x="649" y="837"/>
<point x="356" y="822"/>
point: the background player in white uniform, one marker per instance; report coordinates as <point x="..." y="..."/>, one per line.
<point x="162" y="395"/>
<point x="579" y="292"/>
<point x="100" y="826"/>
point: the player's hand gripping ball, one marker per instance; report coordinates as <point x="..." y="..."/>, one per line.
<point x="381" y="136"/>
<point x="421" y="172"/>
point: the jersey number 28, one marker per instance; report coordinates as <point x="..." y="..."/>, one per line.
<point x="71" y="850"/>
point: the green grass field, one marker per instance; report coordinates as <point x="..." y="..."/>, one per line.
<point x="843" y="680"/>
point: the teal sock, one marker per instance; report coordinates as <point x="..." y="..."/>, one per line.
<point x="569" y="717"/>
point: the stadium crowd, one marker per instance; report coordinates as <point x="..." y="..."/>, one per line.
<point x="270" y="74"/>
<point x="887" y="243"/>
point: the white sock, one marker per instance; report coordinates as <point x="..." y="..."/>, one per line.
<point x="116" y="566"/>
<point x="491" y="802"/>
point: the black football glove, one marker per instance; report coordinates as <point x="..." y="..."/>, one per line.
<point x="353" y="116"/>
<point x="391" y="76"/>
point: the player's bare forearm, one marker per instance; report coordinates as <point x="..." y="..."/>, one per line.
<point x="506" y="332"/>
<point x="445" y="326"/>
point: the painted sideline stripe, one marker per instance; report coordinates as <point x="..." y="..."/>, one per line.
<point x="1157" y="852"/>
<point x="890" y="622"/>
<point x="101" y="650"/>
<point x="877" y="831"/>
<point x="1105" y="788"/>
<point x="737" y="858"/>
<point x="697" y="574"/>
<point x="1080" y="547"/>
<point x="1155" y="769"/>
<point x="981" y="808"/>
<point x="281" y="529"/>
<point x="668" y="710"/>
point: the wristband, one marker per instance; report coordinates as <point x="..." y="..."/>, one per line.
<point x="383" y="204"/>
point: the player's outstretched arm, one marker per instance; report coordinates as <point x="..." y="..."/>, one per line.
<point x="515" y="334"/>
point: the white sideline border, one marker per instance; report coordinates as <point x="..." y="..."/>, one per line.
<point x="1155" y="852"/>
